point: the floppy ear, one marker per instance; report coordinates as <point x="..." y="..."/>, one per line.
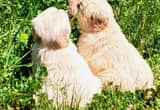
<point x="62" y="40"/>
<point x="98" y="22"/>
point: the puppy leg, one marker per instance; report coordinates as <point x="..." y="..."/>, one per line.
<point x="125" y="82"/>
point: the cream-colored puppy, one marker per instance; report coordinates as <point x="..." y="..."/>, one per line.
<point x="69" y="78"/>
<point x="109" y="54"/>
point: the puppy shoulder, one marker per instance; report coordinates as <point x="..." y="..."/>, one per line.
<point x="72" y="46"/>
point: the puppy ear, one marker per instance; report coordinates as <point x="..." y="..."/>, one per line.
<point x="98" y="22"/>
<point x="62" y="40"/>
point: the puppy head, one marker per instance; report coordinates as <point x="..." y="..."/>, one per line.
<point x="93" y="15"/>
<point x="51" y="28"/>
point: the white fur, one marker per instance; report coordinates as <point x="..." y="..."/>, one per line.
<point x="109" y="54"/>
<point x="69" y="77"/>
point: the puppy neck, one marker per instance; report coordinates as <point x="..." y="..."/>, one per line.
<point x="97" y="34"/>
<point x="71" y="47"/>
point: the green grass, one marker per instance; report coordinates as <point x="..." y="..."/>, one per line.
<point x="140" y="21"/>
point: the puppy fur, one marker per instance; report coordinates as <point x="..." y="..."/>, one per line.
<point x="103" y="45"/>
<point x="69" y="77"/>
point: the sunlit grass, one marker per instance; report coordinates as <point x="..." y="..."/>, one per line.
<point x="139" y="20"/>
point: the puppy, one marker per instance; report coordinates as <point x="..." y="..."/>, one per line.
<point x="103" y="45"/>
<point x="69" y="78"/>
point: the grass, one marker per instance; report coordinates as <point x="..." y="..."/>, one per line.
<point x="139" y="21"/>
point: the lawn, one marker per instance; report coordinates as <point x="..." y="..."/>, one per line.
<point x="139" y="20"/>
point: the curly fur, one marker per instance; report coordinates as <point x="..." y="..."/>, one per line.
<point x="103" y="45"/>
<point x="69" y="77"/>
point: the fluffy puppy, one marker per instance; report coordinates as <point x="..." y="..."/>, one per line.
<point x="69" y="78"/>
<point x="103" y="45"/>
